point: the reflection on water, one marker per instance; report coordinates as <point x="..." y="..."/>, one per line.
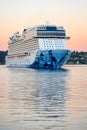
<point x="43" y="99"/>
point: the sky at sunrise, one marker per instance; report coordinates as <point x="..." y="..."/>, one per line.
<point x="15" y="15"/>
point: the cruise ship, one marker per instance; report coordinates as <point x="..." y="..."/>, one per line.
<point x="38" y="47"/>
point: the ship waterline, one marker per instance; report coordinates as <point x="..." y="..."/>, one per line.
<point x="38" y="47"/>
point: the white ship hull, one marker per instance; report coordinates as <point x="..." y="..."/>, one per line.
<point x="40" y="59"/>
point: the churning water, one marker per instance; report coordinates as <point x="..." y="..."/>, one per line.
<point x="43" y="99"/>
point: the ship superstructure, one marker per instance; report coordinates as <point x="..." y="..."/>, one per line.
<point x="42" y="46"/>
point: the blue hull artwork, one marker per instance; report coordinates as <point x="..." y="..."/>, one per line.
<point x="50" y="59"/>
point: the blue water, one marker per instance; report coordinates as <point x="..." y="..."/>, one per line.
<point x="43" y="99"/>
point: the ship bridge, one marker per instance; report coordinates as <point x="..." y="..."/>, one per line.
<point x="51" y="32"/>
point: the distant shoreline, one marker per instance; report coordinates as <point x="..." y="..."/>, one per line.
<point x="77" y="58"/>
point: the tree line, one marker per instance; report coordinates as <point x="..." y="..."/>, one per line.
<point x="2" y="57"/>
<point x="78" y="58"/>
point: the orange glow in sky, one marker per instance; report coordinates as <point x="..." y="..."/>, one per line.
<point x="19" y="14"/>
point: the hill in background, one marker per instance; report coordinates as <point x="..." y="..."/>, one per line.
<point x="2" y="57"/>
<point x="78" y="58"/>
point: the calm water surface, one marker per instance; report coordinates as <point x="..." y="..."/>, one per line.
<point x="43" y="99"/>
